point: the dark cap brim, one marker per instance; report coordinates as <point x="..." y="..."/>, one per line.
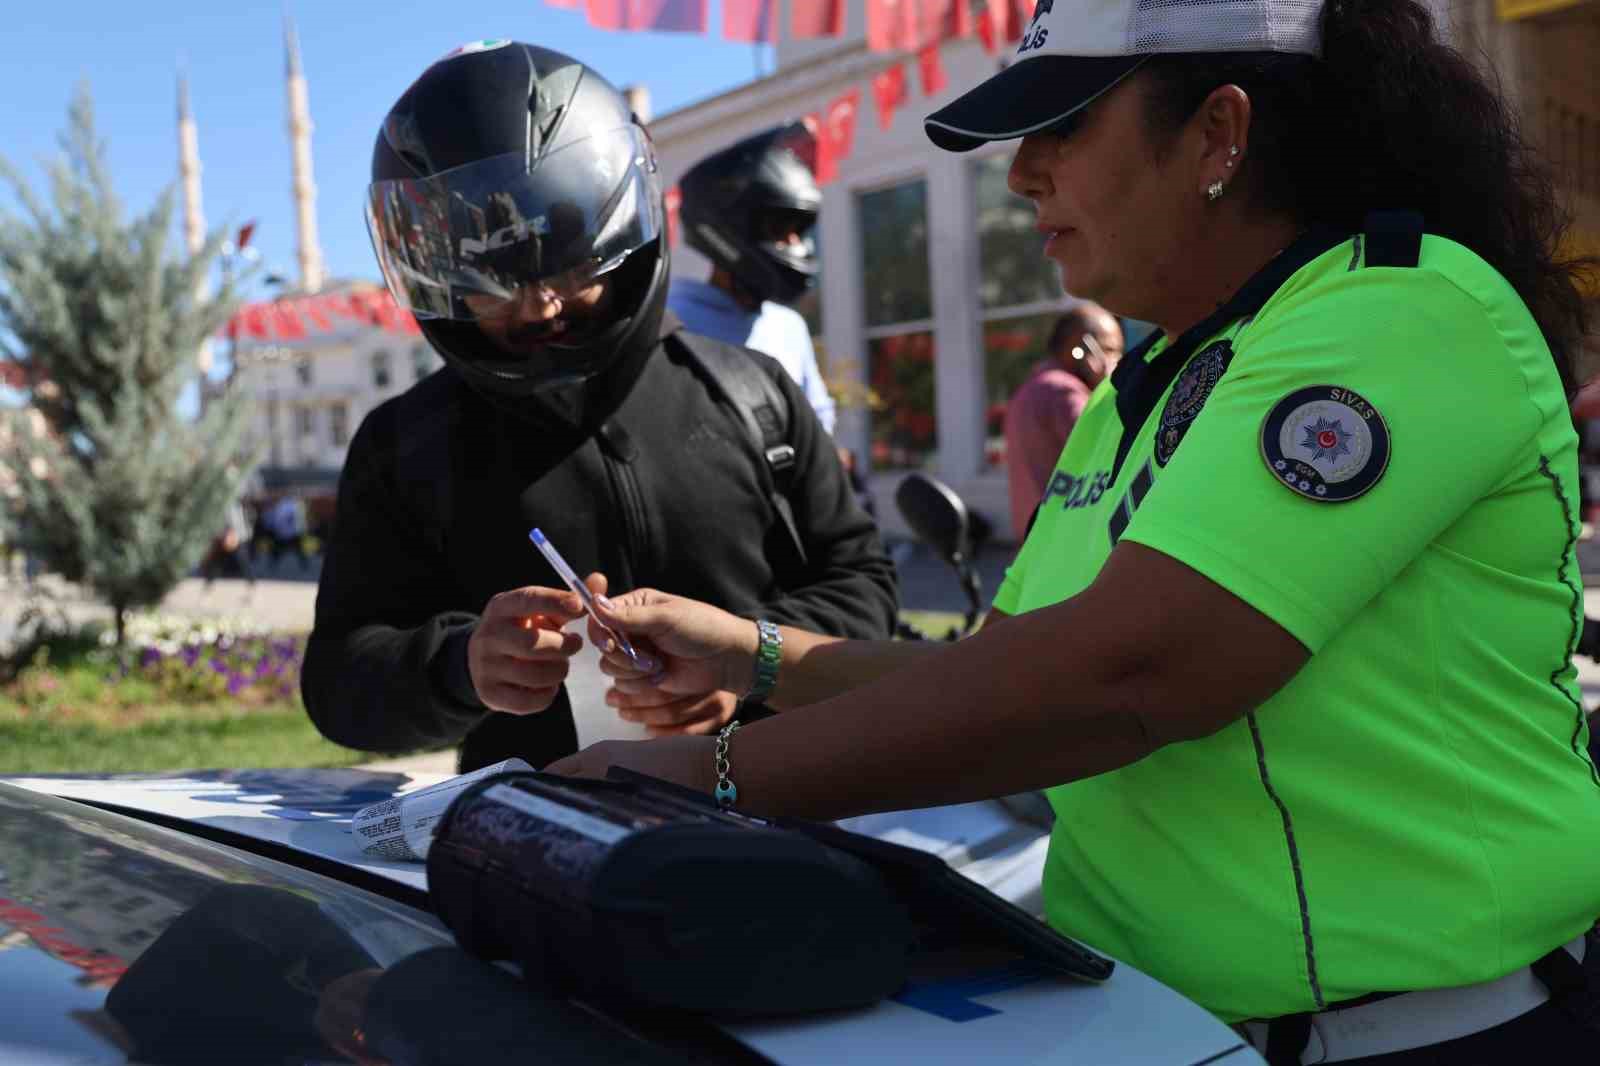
<point x="1026" y="97"/>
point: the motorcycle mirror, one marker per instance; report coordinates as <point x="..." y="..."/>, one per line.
<point x="935" y="514"/>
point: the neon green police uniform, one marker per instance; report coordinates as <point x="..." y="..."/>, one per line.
<point x="1379" y="458"/>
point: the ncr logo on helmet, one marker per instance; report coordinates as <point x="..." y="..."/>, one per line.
<point x="504" y="237"/>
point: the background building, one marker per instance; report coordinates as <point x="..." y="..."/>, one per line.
<point x="934" y="299"/>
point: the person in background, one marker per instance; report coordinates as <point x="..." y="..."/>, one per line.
<point x="285" y="522"/>
<point x="750" y="209"/>
<point x="229" y="554"/>
<point x="1084" y="346"/>
<point x="571" y="400"/>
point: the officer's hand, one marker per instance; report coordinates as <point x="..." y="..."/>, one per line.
<point x="690" y="648"/>
<point x="517" y="655"/>
<point x="685" y="761"/>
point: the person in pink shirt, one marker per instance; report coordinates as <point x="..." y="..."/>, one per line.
<point x="1084" y="345"/>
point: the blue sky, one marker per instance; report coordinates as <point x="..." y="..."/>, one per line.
<point x="358" y="56"/>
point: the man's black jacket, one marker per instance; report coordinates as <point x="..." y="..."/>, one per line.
<point x="441" y="487"/>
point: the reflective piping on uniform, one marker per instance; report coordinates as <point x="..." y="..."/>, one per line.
<point x="1294" y="861"/>
<point x="1575" y="615"/>
<point x="1143" y="481"/>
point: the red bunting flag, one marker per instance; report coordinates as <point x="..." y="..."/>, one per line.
<point x="674" y="201"/>
<point x="288" y="320"/>
<point x="889" y="89"/>
<point x="816" y="18"/>
<point x="286" y="325"/>
<point x="314" y="310"/>
<point x="891" y="25"/>
<point x="1019" y="13"/>
<point x="675" y="16"/>
<point x="835" y="133"/>
<point x="937" y="20"/>
<point x="931" y="69"/>
<point x="986" y="30"/>
<point x="750" y="20"/>
<point x="607" y="14"/>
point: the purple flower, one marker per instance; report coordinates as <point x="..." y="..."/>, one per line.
<point x="190" y="654"/>
<point x="149" y="657"/>
<point x="236" y="684"/>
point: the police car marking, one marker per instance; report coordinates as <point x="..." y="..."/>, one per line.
<point x="1326" y="443"/>
<point x="1189" y="395"/>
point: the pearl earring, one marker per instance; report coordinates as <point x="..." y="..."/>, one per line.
<point x="1234" y="151"/>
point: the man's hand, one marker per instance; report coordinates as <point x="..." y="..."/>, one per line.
<point x="517" y="655"/>
<point x="666" y="716"/>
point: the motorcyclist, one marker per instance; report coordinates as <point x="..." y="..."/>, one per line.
<point x="516" y="210"/>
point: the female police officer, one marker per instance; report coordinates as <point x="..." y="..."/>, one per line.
<point x="1290" y="639"/>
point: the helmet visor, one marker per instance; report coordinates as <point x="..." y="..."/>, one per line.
<point x="470" y="243"/>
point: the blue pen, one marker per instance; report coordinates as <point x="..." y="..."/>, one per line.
<point x="570" y="576"/>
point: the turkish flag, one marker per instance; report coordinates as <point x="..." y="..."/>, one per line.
<point x="816" y="18"/>
<point x="678" y="16"/>
<point x="931" y="69"/>
<point x="607" y="14"/>
<point x="835" y="132"/>
<point x="253" y="320"/>
<point x="315" y="309"/>
<point x="936" y="20"/>
<point x="674" y="200"/>
<point x="673" y="16"/>
<point x="889" y="88"/>
<point x="750" y="20"/>
<point x="891" y="25"/>
<point x="1018" y="14"/>
<point x="286" y="325"/>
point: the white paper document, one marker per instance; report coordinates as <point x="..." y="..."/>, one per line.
<point x="401" y="829"/>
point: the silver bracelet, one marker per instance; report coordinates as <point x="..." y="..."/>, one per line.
<point x="726" y="792"/>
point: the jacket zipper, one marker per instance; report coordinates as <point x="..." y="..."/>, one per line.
<point x="633" y="517"/>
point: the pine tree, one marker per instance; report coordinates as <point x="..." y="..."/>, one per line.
<point x="122" y="493"/>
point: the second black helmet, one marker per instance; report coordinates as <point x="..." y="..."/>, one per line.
<point x="751" y="207"/>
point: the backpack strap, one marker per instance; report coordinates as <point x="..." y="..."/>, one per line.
<point x="763" y="409"/>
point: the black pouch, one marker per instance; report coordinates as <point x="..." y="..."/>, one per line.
<point x="630" y="891"/>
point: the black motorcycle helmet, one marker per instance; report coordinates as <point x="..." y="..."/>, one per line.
<point x="509" y="172"/>
<point x="740" y="201"/>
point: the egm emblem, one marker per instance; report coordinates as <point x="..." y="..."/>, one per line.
<point x="1326" y="443"/>
<point x="1189" y="395"/>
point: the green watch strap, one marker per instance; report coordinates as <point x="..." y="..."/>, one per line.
<point x="769" y="653"/>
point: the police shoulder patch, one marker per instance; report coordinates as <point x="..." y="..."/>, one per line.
<point x="1326" y="443"/>
<point x="1189" y="395"/>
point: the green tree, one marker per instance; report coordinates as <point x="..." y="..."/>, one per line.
<point x="121" y="493"/>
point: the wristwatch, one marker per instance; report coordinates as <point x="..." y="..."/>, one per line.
<point x="769" y="653"/>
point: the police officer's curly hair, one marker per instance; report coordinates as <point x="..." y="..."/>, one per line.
<point x="1392" y="118"/>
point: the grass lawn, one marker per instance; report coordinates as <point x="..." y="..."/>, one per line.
<point x="185" y="697"/>
<point x="178" y="737"/>
<point x="182" y="695"/>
